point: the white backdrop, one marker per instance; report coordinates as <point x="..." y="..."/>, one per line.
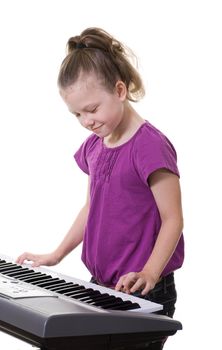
<point x="178" y="44"/>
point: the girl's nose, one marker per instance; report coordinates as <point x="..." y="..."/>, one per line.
<point x="88" y="122"/>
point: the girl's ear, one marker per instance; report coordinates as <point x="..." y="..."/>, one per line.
<point x="121" y="90"/>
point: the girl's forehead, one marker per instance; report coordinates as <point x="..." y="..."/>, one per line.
<point x="87" y="80"/>
<point x="84" y="91"/>
<point x="84" y="84"/>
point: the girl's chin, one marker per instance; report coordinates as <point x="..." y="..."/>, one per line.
<point x="98" y="132"/>
<point x="101" y="132"/>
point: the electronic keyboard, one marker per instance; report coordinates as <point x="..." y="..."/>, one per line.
<point x="55" y="311"/>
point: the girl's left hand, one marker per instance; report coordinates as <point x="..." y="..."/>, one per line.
<point x="133" y="281"/>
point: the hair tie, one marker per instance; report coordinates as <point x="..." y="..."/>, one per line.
<point x="80" y="46"/>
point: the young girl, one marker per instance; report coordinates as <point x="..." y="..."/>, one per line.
<point x="131" y="223"/>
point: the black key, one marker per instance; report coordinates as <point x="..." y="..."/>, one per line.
<point x="126" y="305"/>
<point x="102" y="300"/>
<point x="56" y="284"/>
<point x="35" y="279"/>
<point x="19" y="272"/>
<point x="102" y="297"/>
<point x="90" y="297"/>
<point x="113" y="304"/>
<point x="7" y="270"/>
<point x="15" y="273"/>
<point x="78" y="294"/>
<point x="49" y="283"/>
<point x="38" y="280"/>
<point x="42" y="280"/>
<point x="7" y="265"/>
<point x="133" y="306"/>
<point x="2" y="261"/>
<point x="73" y="292"/>
<point x="30" y="275"/>
<point x="112" y="301"/>
<point x="69" y="289"/>
<point x="25" y="274"/>
<point x="60" y="287"/>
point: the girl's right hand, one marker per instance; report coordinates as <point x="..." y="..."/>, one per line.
<point x="38" y="259"/>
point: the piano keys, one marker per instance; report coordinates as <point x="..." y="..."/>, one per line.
<point x="55" y="311"/>
<point x="60" y="285"/>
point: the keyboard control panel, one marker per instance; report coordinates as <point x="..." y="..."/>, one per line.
<point x="12" y="288"/>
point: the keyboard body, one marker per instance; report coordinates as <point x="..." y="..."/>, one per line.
<point x="56" y="321"/>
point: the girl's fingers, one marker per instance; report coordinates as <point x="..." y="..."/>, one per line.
<point x="132" y="282"/>
<point x="23" y="257"/>
<point x="140" y="283"/>
<point x="119" y="284"/>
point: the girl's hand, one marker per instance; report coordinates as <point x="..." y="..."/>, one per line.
<point x="38" y="259"/>
<point x="136" y="281"/>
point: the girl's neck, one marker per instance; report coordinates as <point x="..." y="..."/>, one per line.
<point x="130" y="123"/>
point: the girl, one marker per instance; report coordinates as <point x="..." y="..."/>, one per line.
<point x="131" y="223"/>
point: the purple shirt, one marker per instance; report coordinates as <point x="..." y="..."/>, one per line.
<point x="124" y="220"/>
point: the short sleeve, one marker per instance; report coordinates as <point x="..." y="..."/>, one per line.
<point x="82" y="154"/>
<point x="153" y="151"/>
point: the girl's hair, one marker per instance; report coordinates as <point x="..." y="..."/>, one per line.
<point x="96" y="51"/>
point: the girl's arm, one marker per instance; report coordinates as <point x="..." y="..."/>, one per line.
<point x="166" y="191"/>
<point x="72" y="239"/>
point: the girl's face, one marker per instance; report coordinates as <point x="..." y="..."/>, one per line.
<point x="96" y="109"/>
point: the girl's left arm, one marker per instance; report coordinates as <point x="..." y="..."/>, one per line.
<point x="165" y="187"/>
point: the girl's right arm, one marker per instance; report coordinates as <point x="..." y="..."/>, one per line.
<point x="72" y="239"/>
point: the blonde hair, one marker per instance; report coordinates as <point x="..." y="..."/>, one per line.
<point x="94" y="50"/>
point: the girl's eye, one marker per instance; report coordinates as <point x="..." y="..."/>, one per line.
<point x="89" y="111"/>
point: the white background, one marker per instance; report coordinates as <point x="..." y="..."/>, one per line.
<point x="178" y="44"/>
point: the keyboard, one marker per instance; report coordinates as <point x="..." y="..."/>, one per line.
<point x="61" y="312"/>
<point x="24" y="281"/>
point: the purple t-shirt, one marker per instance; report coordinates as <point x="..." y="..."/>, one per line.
<point x="124" y="220"/>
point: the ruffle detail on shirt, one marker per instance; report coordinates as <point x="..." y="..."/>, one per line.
<point x="104" y="163"/>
